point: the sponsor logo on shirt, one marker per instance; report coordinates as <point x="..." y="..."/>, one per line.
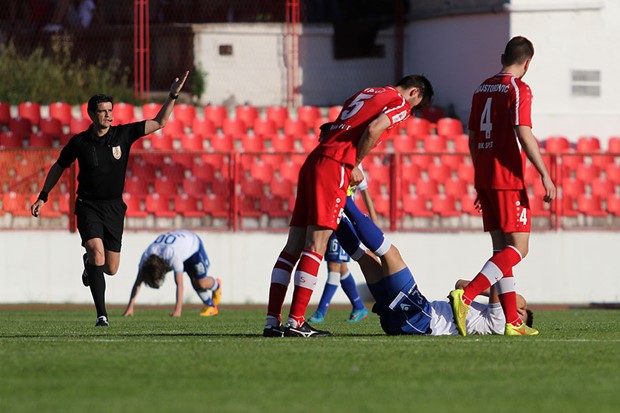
<point x="399" y="116"/>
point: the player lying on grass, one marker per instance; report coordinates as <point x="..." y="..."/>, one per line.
<point x="401" y="307"/>
<point x="179" y="251"/>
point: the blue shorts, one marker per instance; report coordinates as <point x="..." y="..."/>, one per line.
<point x="405" y="311"/>
<point x="198" y="264"/>
<point x="335" y="253"/>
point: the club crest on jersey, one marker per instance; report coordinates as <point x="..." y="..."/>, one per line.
<point x="116" y="152"/>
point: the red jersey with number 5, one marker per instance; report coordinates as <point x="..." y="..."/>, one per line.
<point x="358" y="111"/>
<point x="500" y="103"/>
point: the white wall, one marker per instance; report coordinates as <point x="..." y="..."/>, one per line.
<point x="563" y="267"/>
<point x="256" y="72"/>
<point x="458" y="52"/>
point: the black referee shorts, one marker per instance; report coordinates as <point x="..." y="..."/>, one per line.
<point x="101" y="219"/>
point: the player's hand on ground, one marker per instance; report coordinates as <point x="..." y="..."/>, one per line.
<point x="36" y="208"/>
<point x="128" y="313"/>
<point x="178" y="83"/>
<point x="175" y="314"/>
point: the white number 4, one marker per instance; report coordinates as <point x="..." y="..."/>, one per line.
<point x="523" y="216"/>
<point x="485" y="119"/>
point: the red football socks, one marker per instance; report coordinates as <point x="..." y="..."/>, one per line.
<point x="305" y="281"/>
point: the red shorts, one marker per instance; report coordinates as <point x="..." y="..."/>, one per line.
<point x="508" y="210"/>
<point x="321" y="192"/>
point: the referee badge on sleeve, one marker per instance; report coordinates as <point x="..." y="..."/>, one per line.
<point x="116" y="152"/>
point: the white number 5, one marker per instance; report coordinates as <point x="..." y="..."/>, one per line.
<point x="354" y="106"/>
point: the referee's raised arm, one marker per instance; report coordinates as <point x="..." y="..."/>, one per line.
<point x="159" y="121"/>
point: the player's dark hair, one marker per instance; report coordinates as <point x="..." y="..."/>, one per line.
<point x="422" y="83"/>
<point x="96" y="100"/>
<point x="517" y="51"/>
<point x="153" y="271"/>
<point x="529" y="320"/>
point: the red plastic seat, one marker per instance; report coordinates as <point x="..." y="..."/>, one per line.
<point x="455" y="187"/>
<point x="216" y="205"/>
<point x="416" y="206"/>
<point x="295" y="128"/>
<point x="419" y="127"/>
<point x="377" y="172"/>
<point x="16" y="203"/>
<point x="289" y="170"/>
<point x="602" y="187"/>
<point x="159" y="205"/>
<point x="203" y="171"/>
<point x="265" y="127"/>
<point x="30" y="111"/>
<point x="587" y="172"/>
<point x="135" y="205"/>
<point x="539" y="207"/>
<point x="252" y="143"/>
<point x="40" y="140"/>
<point x="613" y="145"/>
<point x="439" y="172"/>
<point x="185" y="113"/>
<point x="449" y="127"/>
<point x="308" y="114"/>
<point x="613" y="204"/>
<point x="262" y="171"/>
<point x="590" y="205"/>
<point x="194" y="186"/>
<point x="187" y="205"/>
<point x="556" y="144"/>
<point x="252" y="187"/>
<point x="221" y="143"/>
<point x="234" y="128"/>
<point x="21" y="127"/>
<point x="426" y="187"/>
<point x="216" y="114"/>
<point x="466" y="172"/>
<point x="203" y="127"/>
<point x="192" y="142"/>
<point x="308" y="142"/>
<point x="160" y="142"/>
<point x="10" y="140"/>
<point x="150" y="110"/>
<point x="61" y="111"/>
<point x="246" y="114"/>
<point x="174" y="128"/>
<point x="588" y="144"/>
<point x="275" y="206"/>
<point x="444" y="205"/>
<point x="249" y="205"/>
<point x="77" y="125"/>
<point x="278" y="114"/>
<point x="136" y="185"/>
<point x="282" y="187"/>
<point x="281" y="143"/>
<point x="404" y="143"/>
<point x="124" y="113"/>
<point x="612" y="172"/>
<point x="460" y="143"/>
<point x="333" y="112"/>
<point x="435" y="143"/>
<point x="571" y="187"/>
<point x="51" y="127"/>
<point x="84" y="110"/>
<point x="5" y="113"/>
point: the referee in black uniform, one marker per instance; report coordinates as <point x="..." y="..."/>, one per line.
<point x="102" y="152"/>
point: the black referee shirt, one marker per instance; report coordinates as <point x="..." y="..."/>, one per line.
<point x="102" y="160"/>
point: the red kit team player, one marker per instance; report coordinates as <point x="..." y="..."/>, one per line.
<point x="366" y="118"/>
<point x="500" y="137"/>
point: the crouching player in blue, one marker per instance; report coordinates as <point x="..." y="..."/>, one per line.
<point x="179" y="251"/>
<point x="401" y="307"/>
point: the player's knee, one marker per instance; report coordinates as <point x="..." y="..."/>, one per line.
<point x="110" y="269"/>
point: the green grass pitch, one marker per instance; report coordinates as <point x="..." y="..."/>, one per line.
<point x="55" y="360"/>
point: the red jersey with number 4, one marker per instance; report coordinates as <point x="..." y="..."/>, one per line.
<point x="500" y="103"/>
<point x="358" y="111"/>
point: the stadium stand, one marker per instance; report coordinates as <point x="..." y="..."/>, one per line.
<point x="5" y="114"/>
<point x="30" y="111"/>
<point x="61" y="111"/>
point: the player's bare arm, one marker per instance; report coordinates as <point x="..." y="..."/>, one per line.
<point x="369" y="138"/>
<point x="132" y="298"/>
<point x="159" y="121"/>
<point x="530" y="146"/>
<point x="51" y="180"/>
